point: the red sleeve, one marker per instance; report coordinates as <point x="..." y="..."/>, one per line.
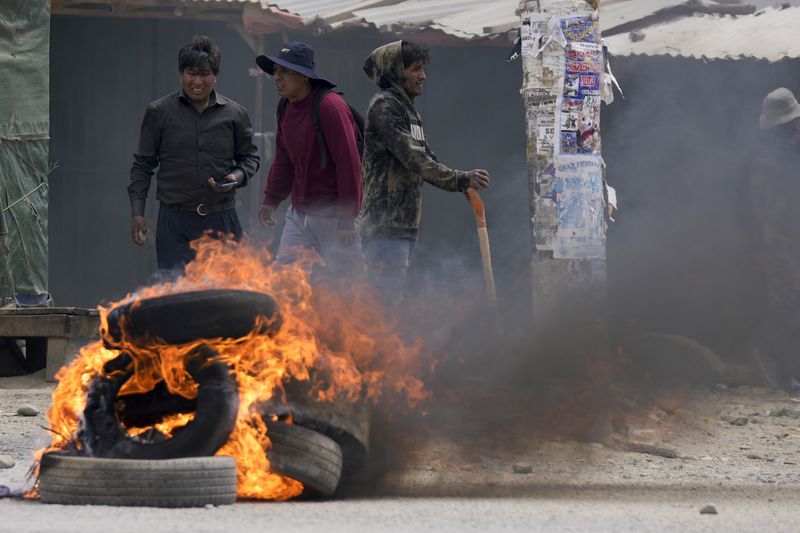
<point x="339" y="130"/>
<point x="281" y="175"/>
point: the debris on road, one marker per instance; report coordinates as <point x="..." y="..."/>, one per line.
<point x="786" y="411"/>
<point x="709" y="509"/>
<point x="6" y="462"/>
<point x="522" y="469"/>
<point x="637" y="447"/>
<point x="27" y="410"/>
<point x="734" y="420"/>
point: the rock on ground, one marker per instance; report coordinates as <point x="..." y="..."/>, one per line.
<point x="27" y="410"/>
<point x="709" y="509"/>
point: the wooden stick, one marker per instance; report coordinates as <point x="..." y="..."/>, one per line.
<point x="486" y="254"/>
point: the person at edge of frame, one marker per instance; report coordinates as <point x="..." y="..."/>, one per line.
<point x="774" y="193"/>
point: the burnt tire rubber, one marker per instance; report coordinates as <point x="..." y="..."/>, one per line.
<point x="147" y="409"/>
<point x="189" y="316"/>
<point x="306" y="456"/>
<point x="102" y="434"/>
<point x="346" y="422"/>
<point x="190" y="482"/>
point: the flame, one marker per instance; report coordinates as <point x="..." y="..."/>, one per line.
<point x="167" y="425"/>
<point x="341" y="332"/>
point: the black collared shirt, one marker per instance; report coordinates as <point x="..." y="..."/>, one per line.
<point x="188" y="147"/>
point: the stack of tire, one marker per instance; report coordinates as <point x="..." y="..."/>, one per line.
<point x="109" y="466"/>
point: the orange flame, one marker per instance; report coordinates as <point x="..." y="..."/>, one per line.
<point x="343" y="333"/>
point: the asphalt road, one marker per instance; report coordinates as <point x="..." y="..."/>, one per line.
<point x="749" y="472"/>
<point x="556" y="510"/>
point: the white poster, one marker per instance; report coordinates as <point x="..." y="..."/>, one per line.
<point x="545" y="133"/>
<point x="579" y="193"/>
<point x="533" y="33"/>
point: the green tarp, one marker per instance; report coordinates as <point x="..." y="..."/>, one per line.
<point x="24" y="143"/>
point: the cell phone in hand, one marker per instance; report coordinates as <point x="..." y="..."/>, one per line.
<point x="227" y="185"/>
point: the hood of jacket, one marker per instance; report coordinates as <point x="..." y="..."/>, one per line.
<point x="385" y="68"/>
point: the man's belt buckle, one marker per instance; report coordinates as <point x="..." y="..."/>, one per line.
<point x="202" y="209"/>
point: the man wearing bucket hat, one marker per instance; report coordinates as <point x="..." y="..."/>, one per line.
<point x="775" y="193"/>
<point x="316" y="162"/>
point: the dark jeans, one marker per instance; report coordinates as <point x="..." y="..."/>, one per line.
<point x="387" y="260"/>
<point x="178" y="227"/>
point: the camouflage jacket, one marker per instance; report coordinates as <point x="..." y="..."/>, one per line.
<point x="397" y="159"/>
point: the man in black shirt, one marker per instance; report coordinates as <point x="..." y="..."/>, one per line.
<point x="202" y="144"/>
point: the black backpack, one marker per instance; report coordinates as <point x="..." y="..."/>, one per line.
<point x="318" y="96"/>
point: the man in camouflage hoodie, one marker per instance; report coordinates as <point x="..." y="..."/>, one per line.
<point x="397" y="160"/>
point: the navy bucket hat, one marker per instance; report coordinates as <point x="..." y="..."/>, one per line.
<point x="295" y="56"/>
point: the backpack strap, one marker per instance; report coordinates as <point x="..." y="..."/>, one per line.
<point x="318" y="96"/>
<point x="281" y="108"/>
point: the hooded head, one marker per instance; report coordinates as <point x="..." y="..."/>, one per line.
<point x="386" y="67"/>
<point x="779" y="107"/>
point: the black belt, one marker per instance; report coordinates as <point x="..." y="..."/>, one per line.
<point x="204" y="209"/>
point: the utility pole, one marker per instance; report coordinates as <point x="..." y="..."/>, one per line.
<point x="563" y="83"/>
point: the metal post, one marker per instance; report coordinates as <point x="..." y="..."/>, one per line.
<point x="562" y="82"/>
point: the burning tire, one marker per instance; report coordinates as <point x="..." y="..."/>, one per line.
<point x="190" y="482"/>
<point x="216" y="409"/>
<point x="306" y="456"/>
<point x="188" y="316"/>
<point x="347" y="423"/>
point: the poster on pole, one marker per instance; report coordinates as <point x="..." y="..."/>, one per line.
<point x="533" y="32"/>
<point x="579" y="102"/>
<point x="579" y="196"/>
<point x="582" y="28"/>
<point x="545" y="134"/>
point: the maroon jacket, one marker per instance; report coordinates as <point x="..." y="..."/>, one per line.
<point x="296" y="168"/>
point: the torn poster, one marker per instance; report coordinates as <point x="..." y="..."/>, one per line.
<point x="545" y="134"/>
<point x="533" y="33"/>
<point x="545" y="222"/>
<point x="579" y="196"/>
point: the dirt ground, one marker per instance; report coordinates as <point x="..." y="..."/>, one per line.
<point x="737" y="448"/>
<point x="729" y="438"/>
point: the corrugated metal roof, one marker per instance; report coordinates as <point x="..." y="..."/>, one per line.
<point x="613" y="14"/>
<point x="466" y="19"/>
<point x="499" y="16"/>
<point x="487" y="20"/>
<point x="770" y="34"/>
<point x="414" y="12"/>
<point x="311" y="9"/>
